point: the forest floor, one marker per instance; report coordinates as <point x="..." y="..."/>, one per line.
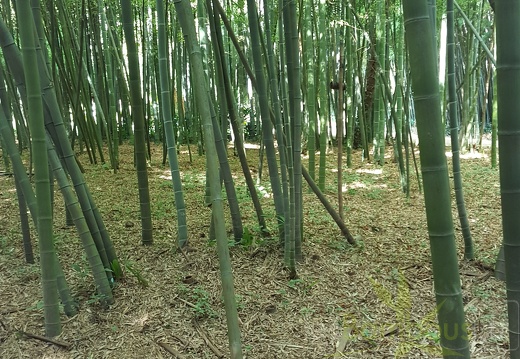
<point x="375" y="299"/>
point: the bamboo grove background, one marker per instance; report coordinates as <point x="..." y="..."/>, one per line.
<point x="296" y="77"/>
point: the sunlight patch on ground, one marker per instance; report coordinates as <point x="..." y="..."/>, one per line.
<point x="469" y="156"/>
<point x="253" y="146"/>
<point x="375" y="171"/>
<point x="139" y="322"/>
<point x="167" y="175"/>
<point x="263" y="191"/>
<point x="474" y="155"/>
<point x="358" y="184"/>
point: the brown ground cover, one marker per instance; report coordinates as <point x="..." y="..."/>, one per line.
<point x="376" y="299"/>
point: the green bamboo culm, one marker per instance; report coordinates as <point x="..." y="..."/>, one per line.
<point x="139" y="125"/>
<point x="454" y="135"/>
<point x="182" y="229"/>
<point x="74" y="208"/>
<point x="200" y="88"/>
<point x="267" y="127"/>
<point x="48" y="257"/>
<point x="309" y="60"/>
<point x="23" y="185"/>
<point x="323" y="80"/>
<point x="423" y="66"/>
<point x="507" y="14"/>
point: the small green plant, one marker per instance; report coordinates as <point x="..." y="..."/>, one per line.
<point x="306" y="311"/>
<point x="37" y="306"/>
<point x="97" y="298"/>
<point x="303" y="286"/>
<point x="243" y="194"/>
<point x="434" y="336"/>
<point x="360" y="244"/>
<point x="202" y="306"/>
<point x="199" y="299"/>
<point x="29" y="272"/>
<point x="117" y="270"/>
<point x="293" y="283"/>
<point x="231" y="243"/>
<point x="482" y="294"/>
<point x="281" y="292"/>
<point x="395" y="274"/>
<point x="240" y="302"/>
<point x="4" y="246"/>
<point x="3" y="242"/>
<point x="339" y="245"/>
<point x="247" y="238"/>
<point x="374" y="194"/>
<point x="162" y="209"/>
<point x="80" y="271"/>
<point x="129" y="266"/>
<point x="166" y="185"/>
<point x="189" y="181"/>
<point x="489" y="260"/>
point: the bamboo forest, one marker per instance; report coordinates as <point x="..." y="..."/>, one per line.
<point x="259" y="179"/>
